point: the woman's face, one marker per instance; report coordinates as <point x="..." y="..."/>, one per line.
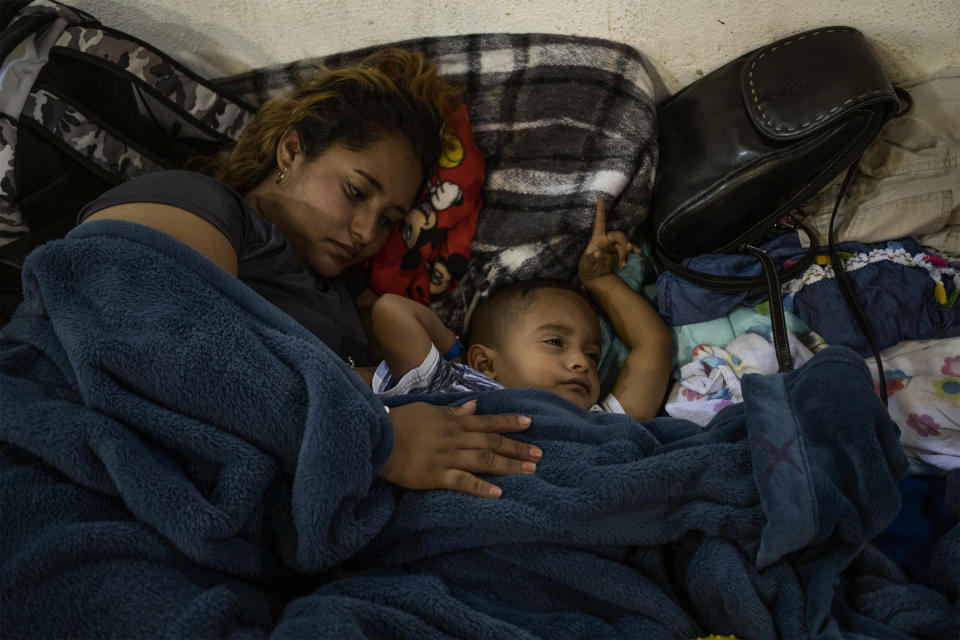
<point x="339" y="208"/>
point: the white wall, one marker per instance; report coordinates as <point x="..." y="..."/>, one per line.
<point x="682" y="38"/>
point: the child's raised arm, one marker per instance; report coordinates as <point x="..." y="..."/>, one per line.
<point x="642" y="382"/>
<point x="406" y="329"/>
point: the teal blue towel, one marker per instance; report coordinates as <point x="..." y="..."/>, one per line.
<point x="180" y="459"/>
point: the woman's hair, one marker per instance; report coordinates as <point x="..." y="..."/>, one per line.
<point x="493" y="318"/>
<point x="390" y="92"/>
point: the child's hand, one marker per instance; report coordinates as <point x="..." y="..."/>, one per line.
<point x="605" y="251"/>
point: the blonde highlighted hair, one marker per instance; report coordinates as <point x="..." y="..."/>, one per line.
<point x="391" y="92"/>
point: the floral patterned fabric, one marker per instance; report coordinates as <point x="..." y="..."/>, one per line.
<point x="923" y="385"/>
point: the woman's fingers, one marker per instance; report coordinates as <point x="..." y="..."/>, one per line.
<point x="484" y="461"/>
<point x="493" y="424"/>
<point x="483" y="432"/>
<point x="488" y="462"/>
<point x="442" y="447"/>
<point x="457" y="480"/>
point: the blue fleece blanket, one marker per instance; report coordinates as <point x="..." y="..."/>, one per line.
<point x="181" y="459"/>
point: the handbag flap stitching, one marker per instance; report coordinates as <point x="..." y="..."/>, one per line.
<point x="802" y="83"/>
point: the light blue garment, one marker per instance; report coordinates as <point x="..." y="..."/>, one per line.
<point x="722" y="331"/>
<point x="719" y="331"/>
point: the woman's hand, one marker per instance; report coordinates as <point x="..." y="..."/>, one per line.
<point x="605" y="251"/>
<point x="437" y="447"/>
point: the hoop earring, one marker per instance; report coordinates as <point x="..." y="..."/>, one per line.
<point x="282" y="175"/>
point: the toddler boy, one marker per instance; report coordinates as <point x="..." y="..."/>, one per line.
<point x="536" y="334"/>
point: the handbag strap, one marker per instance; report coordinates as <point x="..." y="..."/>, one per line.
<point x="770" y="280"/>
<point x="778" y="320"/>
<point x="843" y="280"/>
<point x="744" y="283"/>
<point x="846" y="288"/>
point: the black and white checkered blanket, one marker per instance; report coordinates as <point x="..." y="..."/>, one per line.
<point x="562" y="121"/>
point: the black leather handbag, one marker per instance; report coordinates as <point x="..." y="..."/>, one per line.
<point x="746" y="145"/>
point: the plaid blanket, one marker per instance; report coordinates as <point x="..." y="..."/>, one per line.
<point x="562" y="120"/>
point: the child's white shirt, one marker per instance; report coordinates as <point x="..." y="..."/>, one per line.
<point x="436" y="374"/>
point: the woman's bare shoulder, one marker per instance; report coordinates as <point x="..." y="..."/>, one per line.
<point x="185" y="226"/>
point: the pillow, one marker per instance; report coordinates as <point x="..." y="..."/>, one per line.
<point x="561" y="121"/>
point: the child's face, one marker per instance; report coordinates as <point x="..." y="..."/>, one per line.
<point x="554" y="345"/>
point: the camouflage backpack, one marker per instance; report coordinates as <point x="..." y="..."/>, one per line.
<point x="82" y="108"/>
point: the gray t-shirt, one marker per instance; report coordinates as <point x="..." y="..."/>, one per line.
<point x="266" y="262"/>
